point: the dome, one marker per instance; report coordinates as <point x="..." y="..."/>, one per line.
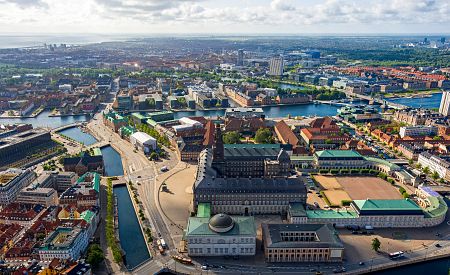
<point x="221" y="223"/>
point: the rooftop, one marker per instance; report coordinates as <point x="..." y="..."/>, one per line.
<point x="198" y="226"/>
<point x="382" y="205"/>
<point x="338" y="154"/>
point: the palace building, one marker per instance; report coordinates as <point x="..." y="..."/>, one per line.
<point x="246" y="179"/>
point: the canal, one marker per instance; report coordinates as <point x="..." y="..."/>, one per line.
<point x="112" y="161"/>
<point x="437" y="267"/>
<point x="131" y="238"/>
<point x="78" y="135"/>
<point x="44" y="120"/>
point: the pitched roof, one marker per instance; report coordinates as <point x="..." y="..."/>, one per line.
<point x="382" y="205"/>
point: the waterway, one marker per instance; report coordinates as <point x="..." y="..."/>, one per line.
<point x="78" y="135"/>
<point x="437" y="267"/>
<point x="131" y="238"/>
<point x="275" y="111"/>
<point x="112" y="161"/>
<point x="44" y="120"/>
<point x="423" y="102"/>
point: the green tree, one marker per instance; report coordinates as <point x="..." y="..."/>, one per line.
<point x="426" y="170"/>
<point x="94" y="255"/>
<point x="154" y="156"/>
<point x="231" y="137"/>
<point x="410" y="162"/>
<point x="376" y="244"/>
<point x="435" y="175"/>
<point x="263" y="135"/>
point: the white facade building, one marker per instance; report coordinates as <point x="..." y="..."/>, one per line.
<point x="64" y="243"/>
<point x="143" y="142"/>
<point x="435" y="164"/>
<point x="419" y="130"/>
<point x="276" y="66"/>
<point x="12" y="181"/>
<point x="444" y="108"/>
<point x="222" y="235"/>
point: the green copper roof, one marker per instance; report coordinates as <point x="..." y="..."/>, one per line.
<point x="204" y="210"/>
<point x="338" y="154"/>
<point x="383" y="162"/>
<point x="87" y="215"/>
<point x="95" y="180"/>
<point x="380" y="205"/>
<point x="200" y="227"/>
<point x="331" y="214"/>
<point x="437" y="207"/>
<point x="97" y="152"/>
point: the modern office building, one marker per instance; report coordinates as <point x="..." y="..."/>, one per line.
<point x="143" y="142"/>
<point x="419" y="130"/>
<point x="444" y="108"/>
<point x="244" y="113"/>
<point x="301" y="243"/>
<point x="44" y="196"/>
<point x="246" y="179"/>
<point x="276" y="66"/>
<point x="221" y="235"/>
<point x="12" y="181"/>
<point x="21" y="145"/>
<point x="240" y="57"/>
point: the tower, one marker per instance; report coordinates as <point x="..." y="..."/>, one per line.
<point x="444" y="108"/>
<point x="218" y="151"/>
<point x="240" y="57"/>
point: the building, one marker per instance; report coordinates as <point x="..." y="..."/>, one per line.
<point x="221" y="235"/>
<point x="44" y="196"/>
<point x="414" y="117"/>
<point x="339" y="158"/>
<point x="285" y="134"/>
<point x="64" y="243"/>
<point x="246" y="179"/>
<point x="84" y="163"/>
<point x="12" y="181"/>
<point x="114" y="121"/>
<point x="276" y="66"/>
<point x="419" y="130"/>
<point x="444" y="108"/>
<point x="240" y="57"/>
<point x="435" y="164"/>
<point x="143" y="142"/>
<point x="301" y="243"/>
<point x="24" y="144"/>
<point x="244" y="113"/>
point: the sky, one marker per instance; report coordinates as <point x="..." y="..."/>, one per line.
<point x="225" y="16"/>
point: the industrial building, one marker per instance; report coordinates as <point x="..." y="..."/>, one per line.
<point x="143" y="142"/>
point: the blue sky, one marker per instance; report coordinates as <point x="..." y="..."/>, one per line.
<point x="225" y="16"/>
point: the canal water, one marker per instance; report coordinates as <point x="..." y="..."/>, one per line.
<point x="113" y="162"/>
<point x="276" y="111"/>
<point x="130" y="234"/>
<point x="437" y="267"/>
<point x="421" y="102"/>
<point x="78" y="135"/>
<point x="44" y="120"/>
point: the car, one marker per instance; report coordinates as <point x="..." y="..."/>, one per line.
<point x="204" y="267"/>
<point x="438" y="245"/>
<point x="361" y="263"/>
<point x="139" y="177"/>
<point x="355" y="232"/>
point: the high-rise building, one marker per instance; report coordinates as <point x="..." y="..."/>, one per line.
<point x="276" y="66"/>
<point x="444" y="109"/>
<point x="240" y="57"/>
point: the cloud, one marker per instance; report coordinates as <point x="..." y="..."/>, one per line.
<point x="222" y="15"/>
<point x="26" y="3"/>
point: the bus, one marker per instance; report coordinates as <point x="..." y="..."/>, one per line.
<point x="396" y="255"/>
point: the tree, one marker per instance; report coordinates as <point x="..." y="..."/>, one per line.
<point x="435" y="175"/>
<point x="376" y="244"/>
<point x="94" y="255"/>
<point x="154" y="156"/>
<point x="231" y="137"/>
<point x="263" y="135"/>
<point x="426" y="170"/>
<point x="410" y="162"/>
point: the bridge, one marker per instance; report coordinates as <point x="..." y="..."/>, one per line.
<point x="67" y="126"/>
<point x="378" y="100"/>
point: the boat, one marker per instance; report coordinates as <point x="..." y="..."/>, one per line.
<point x="182" y="260"/>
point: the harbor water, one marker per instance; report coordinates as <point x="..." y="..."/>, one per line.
<point x="112" y="161"/>
<point x="78" y="135"/>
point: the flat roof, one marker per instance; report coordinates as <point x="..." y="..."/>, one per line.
<point x="338" y="154"/>
<point x="204" y="210"/>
